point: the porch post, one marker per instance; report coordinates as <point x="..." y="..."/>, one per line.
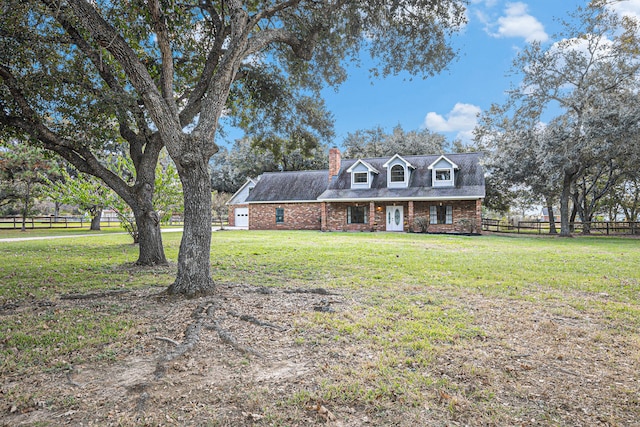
<point x="372" y="215"/>
<point x="323" y="216"/>
<point x="410" y="215"/>
<point x="478" y="215"/>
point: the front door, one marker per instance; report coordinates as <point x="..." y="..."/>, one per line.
<point x="395" y="218"/>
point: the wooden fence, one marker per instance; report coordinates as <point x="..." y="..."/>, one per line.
<point x="39" y="222"/>
<point x="607" y="228"/>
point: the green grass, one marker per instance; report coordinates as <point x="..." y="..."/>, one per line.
<point x="6" y="233"/>
<point x="407" y="293"/>
<point x="504" y="266"/>
<point x="43" y="269"/>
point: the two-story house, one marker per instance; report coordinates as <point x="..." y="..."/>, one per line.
<point x="377" y="194"/>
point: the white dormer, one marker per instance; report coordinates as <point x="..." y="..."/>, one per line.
<point x="398" y="172"/>
<point x="361" y="174"/>
<point x="443" y="172"/>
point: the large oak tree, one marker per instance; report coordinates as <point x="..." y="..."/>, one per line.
<point x="588" y="83"/>
<point x="174" y="65"/>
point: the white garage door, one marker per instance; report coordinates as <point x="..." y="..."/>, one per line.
<point x="242" y="217"/>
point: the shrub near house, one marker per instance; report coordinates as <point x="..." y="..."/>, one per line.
<point x="377" y="194"/>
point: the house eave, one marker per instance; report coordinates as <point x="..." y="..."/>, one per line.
<point x="401" y="199"/>
<point x="274" y="202"/>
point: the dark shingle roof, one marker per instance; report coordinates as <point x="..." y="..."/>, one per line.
<point x="289" y="186"/>
<point x="469" y="181"/>
<point x="314" y="185"/>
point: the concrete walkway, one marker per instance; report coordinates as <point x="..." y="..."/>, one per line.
<point x="164" y="230"/>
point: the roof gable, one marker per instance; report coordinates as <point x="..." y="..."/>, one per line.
<point x="398" y="157"/>
<point x="365" y="164"/>
<point x="439" y="161"/>
<point x="240" y="196"/>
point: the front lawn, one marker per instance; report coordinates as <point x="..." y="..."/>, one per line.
<point x="338" y="328"/>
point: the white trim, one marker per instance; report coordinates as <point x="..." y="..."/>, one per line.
<point x="365" y="184"/>
<point x="398" y="184"/>
<point x="399" y="199"/>
<point x="398" y="156"/>
<point x="282" y="202"/>
<point x="361" y="185"/>
<point x="247" y="182"/>
<point x="397" y="160"/>
<point x="365" y="164"/>
<point x="453" y="165"/>
<point x="443" y="182"/>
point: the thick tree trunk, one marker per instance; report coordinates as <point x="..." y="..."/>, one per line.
<point x="552" y="220"/>
<point x="96" y="216"/>
<point x="565" y="230"/>
<point x="149" y="238"/>
<point x="572" y="218"/>
<point x="194" y="276"/>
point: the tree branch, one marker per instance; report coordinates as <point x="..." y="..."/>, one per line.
<point x="76" y="153"/>
<point x="166" y="70"/>
<point x="302" y="48"/>
<point x="138" y="75"/>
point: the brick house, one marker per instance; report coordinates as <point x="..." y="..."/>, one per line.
<point x="444" y="192"/>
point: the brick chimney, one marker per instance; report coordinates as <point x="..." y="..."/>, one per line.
<point x="334" y="162"/>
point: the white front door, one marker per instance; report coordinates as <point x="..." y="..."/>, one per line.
<point x="395" y="218"/>
<point x="242" y="217"/>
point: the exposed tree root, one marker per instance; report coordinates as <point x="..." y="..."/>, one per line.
<point x="319" y="291"/>
<point x="169" y="340"/>
<point x="227" y="338"/>
<point x="92" y="295"/>
<point x="202" y="313"/>
<point x="258" y="322"/>
<point x="191" y="337"/>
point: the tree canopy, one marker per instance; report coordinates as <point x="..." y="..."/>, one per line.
<point x="570" y="127"/>
<point x="24" y="172"/>
<point x="375" y="142"/>
<point x="78" y="75"/>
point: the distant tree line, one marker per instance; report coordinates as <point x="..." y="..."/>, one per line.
<point x="568" y="134"/>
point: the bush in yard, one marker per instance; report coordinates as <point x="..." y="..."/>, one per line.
<point x="420" y="224"/>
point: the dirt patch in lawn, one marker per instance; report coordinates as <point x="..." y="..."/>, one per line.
<point x="261" y="359"/>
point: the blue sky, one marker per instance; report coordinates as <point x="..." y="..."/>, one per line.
<point x="449" y="102"/>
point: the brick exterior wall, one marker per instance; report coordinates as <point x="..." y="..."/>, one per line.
<point x="308" y="216"/>
<point x="468" y="210"/>
<point x="337" y="217"/>
<point x="297" y="216"/>
<point x="467" y="216"/>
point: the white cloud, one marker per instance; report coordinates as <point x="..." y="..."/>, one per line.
<point x="626" y="8"/>
<point x="486" y="3"/>
<point x="517" y="22"/>
<point x="461" y="119"/>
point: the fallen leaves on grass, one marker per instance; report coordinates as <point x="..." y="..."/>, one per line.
<point x="323" y="412"/>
